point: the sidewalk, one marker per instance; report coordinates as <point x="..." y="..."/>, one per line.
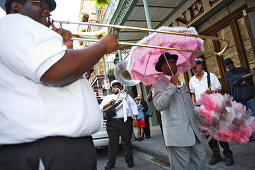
<point x="244" y="154"/>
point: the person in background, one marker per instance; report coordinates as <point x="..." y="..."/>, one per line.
<point x="140" y="120"/>
<point x="182" y="132"/>
<point x="88" y="74"/>
<point x="120" y="125"/>
<point x="55" y="109"/>
<point x="240" y="80"/>
<point x="205" y="82"/>
<point x="158" y="115"/>
<point x="147" y="131"/>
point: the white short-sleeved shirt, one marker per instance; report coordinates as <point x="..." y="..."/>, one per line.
<point x="30" y="110"/>
<point x="199" y="87"/>
<point x="131" y="109"/>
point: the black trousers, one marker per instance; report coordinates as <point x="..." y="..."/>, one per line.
<point x="56" y="153"/>
<point x="116" y="128"/>
<point x="147" y="131"/>
<point x="213" y="144"/>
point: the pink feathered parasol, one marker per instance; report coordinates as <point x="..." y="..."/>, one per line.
<point x="225" y="119"/>
<point x="143" y="60"/>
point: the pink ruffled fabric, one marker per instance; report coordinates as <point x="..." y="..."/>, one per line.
<point x="230" y="120"/>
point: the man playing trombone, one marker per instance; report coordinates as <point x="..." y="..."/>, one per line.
<point x="48" y="112"/>
<point x="120" y="125"/>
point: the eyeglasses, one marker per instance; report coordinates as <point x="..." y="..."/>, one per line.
<point x="42" y="4"/>
<point x="171" y="62"/>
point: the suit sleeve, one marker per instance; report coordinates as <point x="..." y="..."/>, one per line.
<point x="163" y="97"/>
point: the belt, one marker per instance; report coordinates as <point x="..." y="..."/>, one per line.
<point x="122" y="119"/>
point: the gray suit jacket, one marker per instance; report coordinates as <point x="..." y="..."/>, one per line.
<point x="179" y="119"/>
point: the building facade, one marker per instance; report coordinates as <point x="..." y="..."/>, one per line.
<point x="229" y="19"/>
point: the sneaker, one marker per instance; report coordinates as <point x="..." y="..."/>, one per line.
<point x="215" y="160"/>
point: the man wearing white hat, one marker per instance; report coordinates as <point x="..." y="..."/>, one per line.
<point x="48" y="112"/>
<point x="120" y="125"/>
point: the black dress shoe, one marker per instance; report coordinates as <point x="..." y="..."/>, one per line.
<point x="215" y="160"/>
<point x="229" y="161"/>
<point x="109" y="167"/>
<point x="131" y="165"/>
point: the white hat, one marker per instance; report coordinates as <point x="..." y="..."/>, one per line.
<point x="114" y="82"/>
<point x="198" y="60"/>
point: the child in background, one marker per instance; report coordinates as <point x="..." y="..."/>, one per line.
<point x="140" y="120"/>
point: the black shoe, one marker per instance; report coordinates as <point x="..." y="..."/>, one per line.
<point x="131" y="165"/>
<point x="109" y="167"/>
<point x="140" y="139"/>
<point x="147" y="137"/>
<point x="215" y="160"/>
<point x="136" y="139"/>
<point x="229" y="161"/>
<point x="251" y="138"/>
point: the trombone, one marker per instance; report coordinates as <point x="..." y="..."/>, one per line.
<point x="95" y="36"/>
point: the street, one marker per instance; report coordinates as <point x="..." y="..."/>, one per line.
<point x="141" y="160"/>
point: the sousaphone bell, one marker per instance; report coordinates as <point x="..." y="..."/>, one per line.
<point x="122" y="74"/>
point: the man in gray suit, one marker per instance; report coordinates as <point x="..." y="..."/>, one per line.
<point x="182" y="132"/>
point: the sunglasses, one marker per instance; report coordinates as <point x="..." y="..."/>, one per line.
<point x="171" y="62"/>
<point x="42" y="4"/>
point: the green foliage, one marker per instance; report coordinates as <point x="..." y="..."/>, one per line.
<point x="100" y="66"/>
<point x="111" y="71"/>
<point x="102" y="2"/>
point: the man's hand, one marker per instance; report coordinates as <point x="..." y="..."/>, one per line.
<point x="112" y="101"/>
<point x="205" y="134"/>
<point x="174" y="80"/>
<point x="209" y="91"/>
<point x="111" y="44"/>
<point x="66" y="35"/>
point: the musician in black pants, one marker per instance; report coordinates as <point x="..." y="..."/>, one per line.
<point x="120" y="125"/>
<point x="147" y="131"/>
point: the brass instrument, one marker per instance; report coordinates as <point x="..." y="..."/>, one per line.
<point x="110" y="111"/>
<point x="95" y="36"/>
<point x="122" y="75"/>
<point x="120" y="71"/>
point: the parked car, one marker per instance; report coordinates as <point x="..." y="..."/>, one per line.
<point x="101" y="138"/>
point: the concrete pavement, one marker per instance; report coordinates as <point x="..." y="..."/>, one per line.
<point x="244" y="154"/>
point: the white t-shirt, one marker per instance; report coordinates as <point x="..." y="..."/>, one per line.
<point x="30" y="110"/>
<point x="199" y="87"/>
<point x="130" y="107"/>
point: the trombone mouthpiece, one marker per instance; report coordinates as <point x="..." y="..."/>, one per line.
<point x="50" y="20"/>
